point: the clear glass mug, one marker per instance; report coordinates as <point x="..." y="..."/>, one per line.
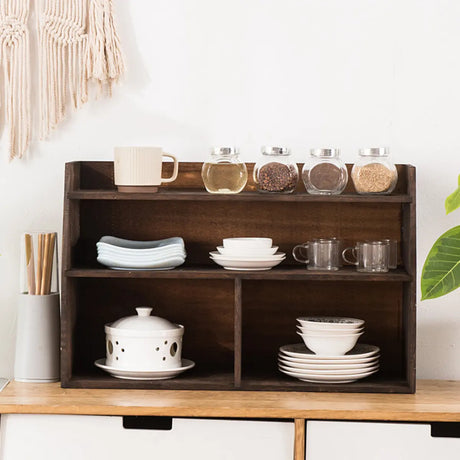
<point x="370" y="256"/>
<point x="321" y="254"/>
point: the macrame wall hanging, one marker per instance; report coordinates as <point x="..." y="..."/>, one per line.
<point x="77" y="44"/>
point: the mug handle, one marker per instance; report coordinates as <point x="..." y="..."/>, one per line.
<point x="353" y="252"/>
<point x="175" y="171"/>
<point x="300" y="247"/>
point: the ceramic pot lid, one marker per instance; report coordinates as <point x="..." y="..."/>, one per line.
<point x="144" y="322"/>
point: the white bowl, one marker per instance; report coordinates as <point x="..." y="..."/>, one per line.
<point x="244" y="244"/>
<point x="250" y="252"/>
<point x="329" y="332"/>
<point x="330" y="322"/>
<point x="330" y="346"/>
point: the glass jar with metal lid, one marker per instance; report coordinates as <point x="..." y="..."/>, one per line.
<point x="324" y="173"/>
<point x="276" y="172"/>
<point x="374" y="173"/>
<point x="224" y="172"/>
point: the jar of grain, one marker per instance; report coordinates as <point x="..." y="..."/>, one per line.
<point x="324" y="173"/>
<point x="374" y="173"/>
<point x="276" y="172"/>
<point x="224" y="172"/>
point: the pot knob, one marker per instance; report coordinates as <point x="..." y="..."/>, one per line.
<point x="144" y="311"/>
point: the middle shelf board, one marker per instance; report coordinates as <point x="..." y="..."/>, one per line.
<point x="287" y="273"/>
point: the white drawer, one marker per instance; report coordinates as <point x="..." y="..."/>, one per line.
<point x="57" y="437"/>
<point x="377" y="441"/>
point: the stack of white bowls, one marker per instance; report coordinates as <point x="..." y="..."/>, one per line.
<point x="331" y="353"/>
<point x="123" y="254"/>
<point x="250" y="253"/>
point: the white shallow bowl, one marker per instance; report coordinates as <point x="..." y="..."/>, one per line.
<point x="330" y="345"/>
<point x="330" y="322"/>
<point x="316" y="366"/>
<point x="246" y="243"/>
<point x="140" y="245"/>
<point x="246" y="265"/>
<point x="328" y="331"/>
<point x="142" y="257"/>
<point x="278" y="256"/>
<point x="164" y="264"/>
<point x="250" y="252"/>
<point x="139" y="252"/>
<point x="360" y="351"/>
<point x="336" y="333"/>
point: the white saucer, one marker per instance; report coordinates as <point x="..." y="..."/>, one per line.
<point x="313" y="366"/>
<point x="299" y="350"/>
<point x="145" y="375"/>
<point x="269" y="258"/>
<point x="332" y="362"/>
<point x="329" y="372"/>
<point x="246" y="265"/>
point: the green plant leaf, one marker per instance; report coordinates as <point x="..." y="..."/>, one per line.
<point x="441" y="272"/>
<point x="453" y="200"/>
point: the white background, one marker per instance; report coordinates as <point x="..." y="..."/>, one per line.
<point x="304" y="73"/>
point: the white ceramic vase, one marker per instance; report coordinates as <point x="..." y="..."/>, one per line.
<point x="37" y="338"/>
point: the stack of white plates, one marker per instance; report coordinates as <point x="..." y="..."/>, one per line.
<point x="298" y="361"/>
<point x="122" y="254"/>
<point x="247" y="254"/>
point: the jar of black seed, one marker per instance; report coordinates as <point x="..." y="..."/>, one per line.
<point x="276" y="172"/>
<point x="324" y="173"/>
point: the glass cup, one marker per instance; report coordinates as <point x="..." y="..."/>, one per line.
<point x="393" y="255"/>
<point x="370" y="256"/>
<point x="319" y="254"/>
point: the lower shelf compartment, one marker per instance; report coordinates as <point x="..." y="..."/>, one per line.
<point x="204" y="380"/>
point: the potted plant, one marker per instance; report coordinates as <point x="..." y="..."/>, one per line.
<point x="441" y="271"/>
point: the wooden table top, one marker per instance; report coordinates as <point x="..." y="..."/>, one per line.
<point x="435" y="400"/>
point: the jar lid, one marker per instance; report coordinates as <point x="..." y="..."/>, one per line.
<point x="374" y="152"/>
<point x="225" y="151"/>
<point x="143" y="322"/>
<point x="271" y="150"/>
<point x="325" y="153"/>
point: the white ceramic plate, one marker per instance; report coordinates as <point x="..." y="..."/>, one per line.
<point x="162" y="265"/>
<point x="346" y="372"/>
<point x="316" y="366"/>
<point x="252" y="252"/>
<point x="139" y="252"/>
<point x="233" y="265"/>
<point x="140" y="258"/>
<point x="330" y="322"/>
<point x="299" y="350"/>
<point x="316" y="378"/>
<point x="325" y="361"/>
<point x="145" y="375"/>
<point x="120" y="243"/>
<point x="277" y="256"/>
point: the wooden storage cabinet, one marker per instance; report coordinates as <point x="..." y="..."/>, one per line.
<point x="234" y="321"/>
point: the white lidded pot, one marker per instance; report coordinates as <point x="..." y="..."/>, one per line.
<point x="143" y="342"/>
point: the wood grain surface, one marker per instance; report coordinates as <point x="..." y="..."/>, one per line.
<point x="434" y="400"/>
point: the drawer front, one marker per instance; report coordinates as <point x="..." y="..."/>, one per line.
<point x="377" y="441"/>
<point x="54" y="437"/>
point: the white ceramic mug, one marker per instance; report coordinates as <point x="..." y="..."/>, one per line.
<point x="138" y="169"/>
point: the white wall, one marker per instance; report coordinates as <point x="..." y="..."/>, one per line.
<point x="304" y="73"/>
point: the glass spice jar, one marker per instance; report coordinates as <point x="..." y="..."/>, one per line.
<point x="324" y="173"/>
<point x="374" y="173"/>
<point x="276" y="172"/>
<point x="224" y="172"/>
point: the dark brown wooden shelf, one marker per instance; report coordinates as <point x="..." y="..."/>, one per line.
<point x="288" y="273"/>
<point x="193" y="379"/>
<point x="281" y="382"/>
<point x="235" y="321"/>
<point x="169" y="194"/>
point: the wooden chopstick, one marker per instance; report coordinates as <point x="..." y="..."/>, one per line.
<point x="46" y="248"/>
<point x="49" y="275"/>
<point x="38" y="281"/>
<point x="30" y="266"/>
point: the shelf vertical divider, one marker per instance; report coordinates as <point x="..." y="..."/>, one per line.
<point x="409" y="257"/>
<point x="70" y="236"/>
<point x="238" y="317"/>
